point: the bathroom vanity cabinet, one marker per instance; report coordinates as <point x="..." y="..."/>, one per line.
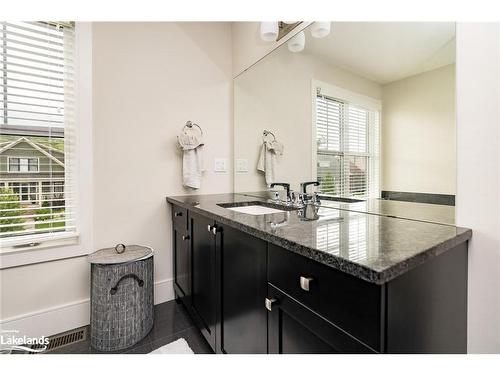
<point x="227" y="286"/>
<point x="248" y="295"/>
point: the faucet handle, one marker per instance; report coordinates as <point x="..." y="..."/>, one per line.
<point x="304" y="185"/>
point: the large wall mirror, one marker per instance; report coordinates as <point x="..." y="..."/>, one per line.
<point x="368" y="111"/>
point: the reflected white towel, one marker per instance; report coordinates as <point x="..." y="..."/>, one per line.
<point x="267" y="160"/>
<point x="192" y="167"/>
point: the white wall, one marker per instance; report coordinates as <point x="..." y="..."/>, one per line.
<point x="45" y="298"/>
<point x="478" y="176"/>
<point x="148" y="80"/>
<point x="418" y="133"/>
<point x="275" y="94"/>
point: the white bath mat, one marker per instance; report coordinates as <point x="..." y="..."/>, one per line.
<point x="179" y="346"/>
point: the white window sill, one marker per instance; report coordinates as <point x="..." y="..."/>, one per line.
<point x="38" y="241"/>
<point x="39" y="248"/>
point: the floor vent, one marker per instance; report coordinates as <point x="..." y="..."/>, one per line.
<point x="64" y="339"/>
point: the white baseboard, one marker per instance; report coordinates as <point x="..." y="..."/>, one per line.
<point x="164" y="291"/>
<point x="69" y="316"/>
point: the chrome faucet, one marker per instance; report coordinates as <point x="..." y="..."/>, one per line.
<point x="286" y="187"/>
<point x="309" y="198"/>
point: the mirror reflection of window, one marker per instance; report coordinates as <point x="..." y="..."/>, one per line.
<point x="347" y="147"/>
<point x="343" y="227"/>
<point x="328" y="235"/>
<point x="358" y="237"/>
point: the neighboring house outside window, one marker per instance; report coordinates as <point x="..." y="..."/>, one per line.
<point x="36" y="178"/>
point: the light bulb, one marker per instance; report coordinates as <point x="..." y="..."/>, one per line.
<point x="297" y="43"/>
<point x="269" y="31"/>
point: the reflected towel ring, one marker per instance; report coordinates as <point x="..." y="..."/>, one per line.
<point x="265" y="133"/>
<point x="189" y="124"/>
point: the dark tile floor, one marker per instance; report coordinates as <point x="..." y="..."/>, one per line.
<point x="171" y="323"/>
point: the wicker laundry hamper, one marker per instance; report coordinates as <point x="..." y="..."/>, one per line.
<point x="121" y="311"/>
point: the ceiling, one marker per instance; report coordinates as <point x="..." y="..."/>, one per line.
<point x="386" y="51"/>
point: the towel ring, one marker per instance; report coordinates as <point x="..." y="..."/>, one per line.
<point x="265" y="133"/>
<point x="189" y="124"/>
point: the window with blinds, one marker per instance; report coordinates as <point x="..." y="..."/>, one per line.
<point x="37" y="114"/>
<point x="347" y="148"/>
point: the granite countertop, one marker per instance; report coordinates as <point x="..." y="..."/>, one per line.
<point x="375" y="248"/>
<point x="433" y="213"/>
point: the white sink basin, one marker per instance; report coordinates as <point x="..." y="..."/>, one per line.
<point x="255" y="210"/>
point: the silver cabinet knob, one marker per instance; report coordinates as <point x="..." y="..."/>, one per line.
<point x="214" y="229"/>
<point x="209" y="227"/>
<point x="177" y="214"/>
<point x="269" y="303"/>
<point x="305" y="283"/>
<point x="186" y="237"/>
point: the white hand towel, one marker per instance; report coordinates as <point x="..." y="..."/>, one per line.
<point x="192" y="167"/>
<point x="275" y="146"/>
<point x="267" y="160"/>
<point x="191" y="143"/>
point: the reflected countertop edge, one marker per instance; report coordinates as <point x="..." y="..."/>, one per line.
<point x="375" y="248"/>
<point x="432" y="213"/>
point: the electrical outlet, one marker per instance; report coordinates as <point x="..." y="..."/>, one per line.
<point x="241" y="165"/>
<point x="220" y="165"/>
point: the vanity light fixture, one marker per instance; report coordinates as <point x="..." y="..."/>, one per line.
<point x="269" y="31"/>
<point x="274" y="31"/>
<point x="320" y="29"/>
<point x="297" y="43"/>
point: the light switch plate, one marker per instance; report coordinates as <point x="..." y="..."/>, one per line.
<point x="220" y="165"/>
<point x="241" y="165"/>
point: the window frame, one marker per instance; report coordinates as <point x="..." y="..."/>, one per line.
<point x="56" y="246"/>
<point x="363" y="101"/>
<point x="51" y="93"/>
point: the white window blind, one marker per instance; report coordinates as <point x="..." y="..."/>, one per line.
<point x="347" y="148"/>
<point x="37" y="116"/>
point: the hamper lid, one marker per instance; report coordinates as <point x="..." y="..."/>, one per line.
<point x="120" y="254"/>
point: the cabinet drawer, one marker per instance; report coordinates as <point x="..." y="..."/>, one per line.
<point x="295" y="329"/>
<point x="350" y="303"/>
<point x="179" y="218"/>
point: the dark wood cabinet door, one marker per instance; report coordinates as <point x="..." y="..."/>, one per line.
<point x="181" y="258"/>
<point x="203" y="276"/>
<point x="181" y="254"/>
<point x="242" y="286"/>
<point x="347" y="301"/>
<point x="295" y="329"/>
